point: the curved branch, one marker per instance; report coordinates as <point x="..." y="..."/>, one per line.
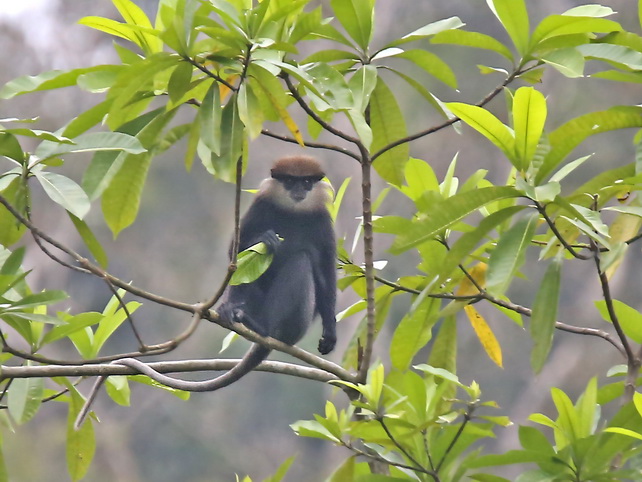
<point x="413" y="137"/>
<point x="312" y="145"/>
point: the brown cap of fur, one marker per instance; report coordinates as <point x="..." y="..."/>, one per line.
<point x="299" y="166"/>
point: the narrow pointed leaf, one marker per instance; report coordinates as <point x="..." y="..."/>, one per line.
<point x="488" y="125"/>
<point x="513" y="16"/>
<point x="25" y="398"/>
<point x="472" y="39"/>
<point x="447" y="213"/>
<point x="569" y="135"/>
<point x="509" y="254"/>
<point x="356" y="17"/>
<point x="529" y="116"/>
<point x="388" y="125"/>
<point x="544" y="315"/>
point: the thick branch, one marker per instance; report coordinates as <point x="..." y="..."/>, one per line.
<point x="182" y="366"/>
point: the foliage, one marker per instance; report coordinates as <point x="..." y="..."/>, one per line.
<point x="230" y="66"/>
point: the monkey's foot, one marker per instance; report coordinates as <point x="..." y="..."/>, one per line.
<point x="326" y="344"/>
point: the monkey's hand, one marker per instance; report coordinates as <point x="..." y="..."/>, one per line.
<point x="326" y="343"/>
<point x="270" y="239"/>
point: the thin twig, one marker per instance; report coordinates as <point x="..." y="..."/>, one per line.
<point x="551" y="224"/>
<point x="209" y="73"/>
<point x="308" y="110"/>
<point x="401" y="448"/>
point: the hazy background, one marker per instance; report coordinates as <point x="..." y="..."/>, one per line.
<point x="178" y="249"/>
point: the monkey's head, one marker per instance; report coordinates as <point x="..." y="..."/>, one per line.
<point x="297" y="184"/>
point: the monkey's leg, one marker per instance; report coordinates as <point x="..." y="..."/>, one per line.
<point x="289" y="300"/>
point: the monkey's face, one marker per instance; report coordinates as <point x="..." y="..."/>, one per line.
<point x="297" y="193"/>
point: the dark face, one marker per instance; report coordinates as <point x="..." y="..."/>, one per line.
<point x="297" y="187"/>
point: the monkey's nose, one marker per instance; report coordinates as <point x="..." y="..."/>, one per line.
<point x="298" y="196"/>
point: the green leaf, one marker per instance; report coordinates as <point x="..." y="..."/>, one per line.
<point x="179" y="82"/>
<point x="105" y="165"/>
<point x="569" y="135"/>
<point x="560" y="25"/>
<point x="513" y="16"/>
<point x="251" y="264"/>
<point x="488" y="125"/>
<point x="544" y="315"/>
<point x="472" y="39"/>
<point x="134" y="15"/>
<point x="209" y="114"/>
<point x="223" y="166"/>
<point x="109" y="324"/>
<point x="432" y="64"/>
<point x="618" y="54"/>
<point x="356" y="17"/>
<point x="11" y="230"/>
<point x="388" y="125"/>
<point x="434" y="28"/>
<point x="54" y="79"/>
<point x="118" y="389"/>
<point x="362" y="84"/>
<point x="446" y="213"/>
<point x="509" y="254"/>
<point x="65" y="192"/>
<point x="10" y="147"/>
<point x="529" y="116"/>
<point x="121" y="199"/>
<point x="73" y="324"/>
<point x="81" y="443"/>
<point x="630" y="319"/>
<point x="24" y="398"/>
<point x="92" y="141"/>
<point x="568" y="61"/>
<point x="250" y="111"/>
<point x="412" y="333"/>
<point x="90" y="240"/>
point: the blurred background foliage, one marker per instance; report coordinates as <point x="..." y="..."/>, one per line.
<point x="178" y="248"/>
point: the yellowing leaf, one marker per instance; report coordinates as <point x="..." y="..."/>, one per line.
<point x="485" y="335"/>
<point x="467" y="287"/>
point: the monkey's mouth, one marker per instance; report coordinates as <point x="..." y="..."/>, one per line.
<point x="297" y="196"/>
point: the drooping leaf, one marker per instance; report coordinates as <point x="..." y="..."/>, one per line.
<point x="81" y="443"/>
<point x="24" y="398"/>
<point x="65" y="192"/>
<point x="388" y="125"/>
<point x="509" y="254"/>
<point x="485" y="335"/>
<point x="542" y="324"/>
<point x="412" y="334"/>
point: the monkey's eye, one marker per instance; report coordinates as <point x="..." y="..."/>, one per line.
<point x="307" y="183"/>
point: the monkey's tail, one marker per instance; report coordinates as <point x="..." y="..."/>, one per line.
<point x="252" y="358"/>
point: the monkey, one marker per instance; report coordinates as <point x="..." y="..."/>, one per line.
<point x="290" y="215"/>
